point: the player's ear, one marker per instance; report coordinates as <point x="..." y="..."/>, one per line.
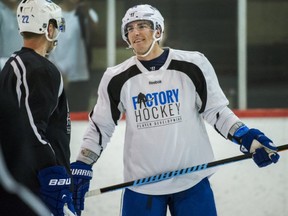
<point x="51" y="30"/>
<point x="158" y="33"/>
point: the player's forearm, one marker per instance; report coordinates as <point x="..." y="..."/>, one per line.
<point x="222" y="120"/>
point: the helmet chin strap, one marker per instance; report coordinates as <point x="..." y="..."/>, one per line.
<point x="150" y="48"/>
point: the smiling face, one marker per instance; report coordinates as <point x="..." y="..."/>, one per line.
<point x="141" y="37"/>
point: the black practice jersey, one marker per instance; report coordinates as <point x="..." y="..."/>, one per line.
<point x="34" y="116"/>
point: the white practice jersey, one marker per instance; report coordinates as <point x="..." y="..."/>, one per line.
<point x="165" y="111"/>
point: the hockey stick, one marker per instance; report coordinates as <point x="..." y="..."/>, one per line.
<point x="171" y="174"/>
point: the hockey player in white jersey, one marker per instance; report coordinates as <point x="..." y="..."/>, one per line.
<point x="166" y="95"/>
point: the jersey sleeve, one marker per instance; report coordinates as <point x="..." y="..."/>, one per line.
<point x="216" y="111"/>
<point x="102" y="119"/>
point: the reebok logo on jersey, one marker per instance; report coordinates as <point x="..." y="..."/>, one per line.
<point x="155" y="82"/>
<point x="157" y="108"/>
<point x="55" y="182"/>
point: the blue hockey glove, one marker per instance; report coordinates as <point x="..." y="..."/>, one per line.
<point x="55" y="189"/>
<point x="82" y="174"/>
<point x="254" y="141"/>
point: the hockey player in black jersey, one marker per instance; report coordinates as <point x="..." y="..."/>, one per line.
<point x="35" y="123"/>
<point x="166" y="95"/>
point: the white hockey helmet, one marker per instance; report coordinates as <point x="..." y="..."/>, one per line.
<point x="142" y="12"/>
<point x="34" y="16"/>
